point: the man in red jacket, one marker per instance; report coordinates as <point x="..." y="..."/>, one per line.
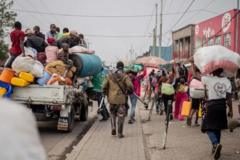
<point x="17" y="48"/>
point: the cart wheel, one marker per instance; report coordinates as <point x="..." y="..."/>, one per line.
<point x="77" y="107"/>
<point x="71" y="119"/>
<point x="84" y="113"/>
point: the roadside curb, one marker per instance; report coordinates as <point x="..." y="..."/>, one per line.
<point x="58" y="152"/>
<point x="77" y="148"/>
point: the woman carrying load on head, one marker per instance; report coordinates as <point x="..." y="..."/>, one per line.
<point x="196" y="94"/>
<point x="218" y="89"/>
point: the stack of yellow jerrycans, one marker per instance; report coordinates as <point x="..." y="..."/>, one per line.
<point x="23" y="79"/>
<point x="5" y="79"/>
<point x="3" y="91"/>
<point x="8" y="78"/>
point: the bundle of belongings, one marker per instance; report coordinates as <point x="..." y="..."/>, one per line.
<point x="207" y="59"/>
<point x="46" y="64"/>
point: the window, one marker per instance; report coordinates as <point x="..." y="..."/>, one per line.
<point x="210" y="42"/>
<point x="227" y="40"/>
<point x="198" y="42"/>
<point x="218" y="40"/>
<point x="204" y="41"/>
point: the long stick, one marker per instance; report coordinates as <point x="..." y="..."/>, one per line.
<point x="142" y="101"/>
<point x="167" y="123"/>
<point x="151" y="109"/>
<point x="100" y="105"/>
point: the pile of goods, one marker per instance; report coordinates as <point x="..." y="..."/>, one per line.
<point x="208" y="59"/>
<point x="28" y="70"/>
<point x="134" y="68"/>
<point x="151" y="61"/>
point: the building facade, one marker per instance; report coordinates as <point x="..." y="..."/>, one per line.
<point x="166" y="52"/>
<point x="219" y="30"/>
<point x="183" y="42"/>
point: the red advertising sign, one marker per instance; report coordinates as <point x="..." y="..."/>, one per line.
<point x="218" y="30"/>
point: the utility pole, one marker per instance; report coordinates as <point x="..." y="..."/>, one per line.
<point x="131" y="53"/>
<point x="160" y="32"/>
<point x="154" y="42"/>
<point x="155" y="32"/>
<point x="237" y="28"/>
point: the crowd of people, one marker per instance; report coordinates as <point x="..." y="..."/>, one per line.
<point x="45" y="46"/>
<point x="210" y="102"/>
<point x="166" y="86"/>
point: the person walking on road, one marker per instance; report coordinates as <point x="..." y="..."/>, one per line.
<point x="181" y="96"/>
<point x="116" y="87"/>
<point x="218" y="89"/>
<point x="237" y="81"/>
<point x="166" y="90"/>
<point x="196" y="102"/>
<point x="136" y="80"/>
<point x="97" y="81"/>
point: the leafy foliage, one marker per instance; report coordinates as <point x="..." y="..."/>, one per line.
<point x="7" y="19"/>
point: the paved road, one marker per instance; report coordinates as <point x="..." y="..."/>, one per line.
<point x="56" y="143"/>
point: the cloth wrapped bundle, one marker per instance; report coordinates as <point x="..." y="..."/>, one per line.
<point x="58" y="67"/>
<point x="80" y="49"/>
<point x="196" y="89"/>
<point x="28" y="64"/>
<point x="210" y="58"/>
<point x="51" y="53"/>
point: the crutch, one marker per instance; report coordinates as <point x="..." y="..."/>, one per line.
<point x="151" y="109"/>
<point x="100" y="105"/>
<point x="166" y="124"/>
<point x="142" y="101"/>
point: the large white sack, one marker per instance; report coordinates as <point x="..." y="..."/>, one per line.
<point x="19" y="137"/>
<point x="29" y="51"/>
<point x="37" y="69"/>
<point x="24" y="64"/>
<point x="210" y="58"/>
<point x="80" y="49"/>
<point x="28" y="64"/>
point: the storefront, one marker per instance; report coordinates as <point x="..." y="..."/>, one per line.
<point x="183" y="42"/>
<point x="219" y="30"/>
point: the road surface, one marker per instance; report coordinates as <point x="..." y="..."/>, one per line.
<point x="57" y="143"/>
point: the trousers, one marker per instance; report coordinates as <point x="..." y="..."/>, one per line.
<point x="104" y="111"/>
<point x="214" y="136"/>
<point x="118" y="113"/>
<point x="133" y="99"/>
<point x="10" y="60"/>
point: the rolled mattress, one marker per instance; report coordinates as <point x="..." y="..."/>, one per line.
<point x="87" y="64"/>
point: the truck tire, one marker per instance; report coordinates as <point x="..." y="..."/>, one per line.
<point x="77" y="108"/>
<point x="84" y="113"/>
<point x="71" y="119"/>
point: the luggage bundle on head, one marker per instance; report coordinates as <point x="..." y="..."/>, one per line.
<point x="134" y="68"/>
<point x="211" y="58"/>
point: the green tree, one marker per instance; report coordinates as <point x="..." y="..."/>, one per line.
<point x="7" y="19"/>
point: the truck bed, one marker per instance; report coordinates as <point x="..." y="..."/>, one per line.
<point x="46" y="95"/>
